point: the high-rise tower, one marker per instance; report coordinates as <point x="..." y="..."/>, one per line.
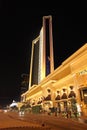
<point x="42" y="57"/>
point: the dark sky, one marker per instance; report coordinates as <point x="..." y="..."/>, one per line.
<point x="19" y="26"/>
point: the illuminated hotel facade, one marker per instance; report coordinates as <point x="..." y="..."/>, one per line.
<point x="58" y="87"/>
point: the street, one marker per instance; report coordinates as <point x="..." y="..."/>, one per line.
<point x="15" y="121"/>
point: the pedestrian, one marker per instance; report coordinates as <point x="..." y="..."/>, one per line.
<point x="69" y="113"/>
<point x="75" y="113"/>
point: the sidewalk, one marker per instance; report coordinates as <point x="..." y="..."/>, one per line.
<point x="82" y="119"/>
<point x="48" y="122"/>
<point x="11" y="121"/>
<point x="28" y="117"/>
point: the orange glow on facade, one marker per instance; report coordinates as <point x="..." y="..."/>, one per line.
<point x="66" y="82"/>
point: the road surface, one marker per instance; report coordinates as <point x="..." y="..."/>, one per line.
<point x="15" y="121"/>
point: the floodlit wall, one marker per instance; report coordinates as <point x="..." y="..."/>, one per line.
<point x="71" y="75"/>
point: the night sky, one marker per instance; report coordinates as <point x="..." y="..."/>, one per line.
<point x="19" y="26"/>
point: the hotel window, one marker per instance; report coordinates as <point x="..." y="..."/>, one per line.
<point x="83" y="95"/>
<point x="72" y="93"/>
<point x="58" y="96"/>
<point x="64" y="96"/>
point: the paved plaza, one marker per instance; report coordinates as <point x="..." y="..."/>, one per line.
<point x="15" y="121"/>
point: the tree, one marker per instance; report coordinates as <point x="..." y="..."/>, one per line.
<point x="24" y="83"/>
